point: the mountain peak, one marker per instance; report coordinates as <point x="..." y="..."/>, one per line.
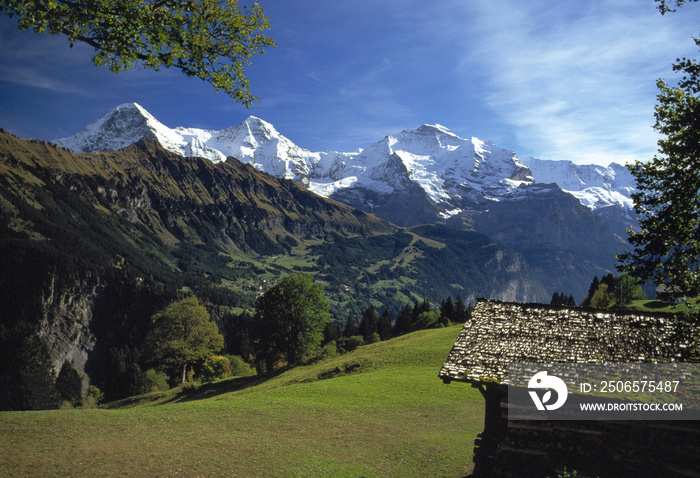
<point x="446" y="166"/>
<point x="434" y="128"/>
<point x="255" y="124"/>
<point x="116" y="129"/>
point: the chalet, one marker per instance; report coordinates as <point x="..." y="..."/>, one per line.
<point x="500" y="334"/>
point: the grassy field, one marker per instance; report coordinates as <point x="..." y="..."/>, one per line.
<point x="379" y="411"/>
<point x="647" y="305"/>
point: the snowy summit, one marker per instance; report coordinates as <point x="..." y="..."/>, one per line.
<point x="453" y="172"/>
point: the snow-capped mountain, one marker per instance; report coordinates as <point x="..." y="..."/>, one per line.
<point x="452" y="171"/>
<point x="562" y="217"/>
<point x="444" y="165"/>
<point x="595" y="186"/>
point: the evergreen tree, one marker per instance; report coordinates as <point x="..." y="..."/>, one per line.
<point x="26" y="375"/>
<point x="591" y="290"/>
<point x="384" y="328"/>
<point x="350" y="329"/>
<point x="368" y="324"/>
<point x="608" y="279"/>
<point x="403" y="321"/>
<point x="556" y="299"/>
<point x="331" y="333"/>
<point x="447" y="311"/>
<point x="418" y="309"/>
<point x="462" y="314"/>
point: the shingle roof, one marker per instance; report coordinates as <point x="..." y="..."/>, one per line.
<point x="501" y="333"/>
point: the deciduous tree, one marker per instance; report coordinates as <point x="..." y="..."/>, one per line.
<point x="290" y="318"/>
<point x="667" y="248"/>
<point x="211" y="39"/>
<point x="183" y="335"/>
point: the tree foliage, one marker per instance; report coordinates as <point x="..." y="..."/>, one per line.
<point x="665" y="8"/>
<point x="609" y="292"/>
<point x="210" y="39"/>
<point x="290" y="319"/>
<point x="27" y="376"/>
<point x="69" y="384"/>
<point x="183" y="335"/>
<point x="667" y="248"/>
<point x="561" y="299"/>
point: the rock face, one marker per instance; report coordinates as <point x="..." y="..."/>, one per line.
<point x="65" y="324"/>
<point x="562" y="241"/>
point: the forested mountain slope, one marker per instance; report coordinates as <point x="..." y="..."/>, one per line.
<point x="92" y="245"/>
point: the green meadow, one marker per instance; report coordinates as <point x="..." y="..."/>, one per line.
<point x="379" y="411"/>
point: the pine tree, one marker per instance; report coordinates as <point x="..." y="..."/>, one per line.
<point x="418" y="309"/>
<point x="595" y="283"/>
<point x="447" y="311"/>
<point x="556" y="299"/>
<point x="350" y="329"/>
<point x="368" y="324"/>
<point x="331" y="332"/>
<point x="26" y="375"/>
<point x="462" y="314"/>
<point x="384" y="328"/>
<point x="403" y="321"/>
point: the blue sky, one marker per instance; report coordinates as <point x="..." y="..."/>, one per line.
<point x="555" y="79"/>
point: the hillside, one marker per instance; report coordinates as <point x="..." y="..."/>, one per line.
<point x="92" y="245"/>
<point x="389" y="416"/>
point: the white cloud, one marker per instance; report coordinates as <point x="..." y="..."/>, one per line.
<point x="575" y="83"/>
<point x="28" y="77"/>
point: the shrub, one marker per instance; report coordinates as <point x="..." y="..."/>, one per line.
<point x="216" y="367"/>
<point x="239" y="367"/>
<point x="155" y="381"/>
<point x="93" y="398"/>
<point x="350" y="343"/>
<point x="330" y="349"/>
<point x="69" y="384"/>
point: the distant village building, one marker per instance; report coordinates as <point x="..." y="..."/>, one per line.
<point x="499" y="334"/>
<point x="668" y="293"/>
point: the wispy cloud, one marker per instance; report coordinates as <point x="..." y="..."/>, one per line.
<point x="28" y="77"/>
<point x="575" y="84"/>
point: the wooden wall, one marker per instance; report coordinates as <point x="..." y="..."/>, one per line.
<point x="604" y="449"/>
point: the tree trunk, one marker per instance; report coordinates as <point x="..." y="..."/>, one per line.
<point x="184" y="374"/>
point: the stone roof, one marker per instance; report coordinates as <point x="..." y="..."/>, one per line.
<point x="501" y="333"/>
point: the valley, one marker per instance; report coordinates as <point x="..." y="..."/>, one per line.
<point x="543" y="209"/>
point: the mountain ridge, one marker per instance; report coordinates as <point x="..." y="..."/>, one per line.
<point x="479" y="164"/>
<point x="431" y="175"/>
